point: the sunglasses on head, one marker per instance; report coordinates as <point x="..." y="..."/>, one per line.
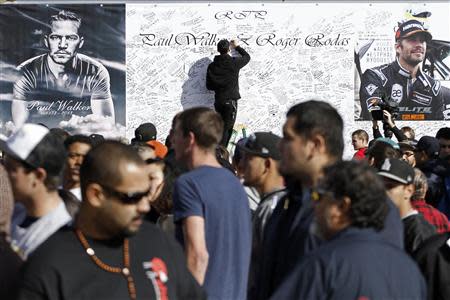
<point x="126" y="198"/>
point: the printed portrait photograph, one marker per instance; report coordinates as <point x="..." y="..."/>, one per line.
<point x="64" y="66"/>
<point x="402" y="67"/>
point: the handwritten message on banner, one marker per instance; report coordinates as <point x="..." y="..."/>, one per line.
<point x="299" y="51"/>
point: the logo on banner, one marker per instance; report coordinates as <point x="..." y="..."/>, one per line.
<point x="371" y="89"/>
<point x="397" y="93"/>
<point x="421" y="98"/>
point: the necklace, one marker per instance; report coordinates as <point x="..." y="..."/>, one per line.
<point x="125" y="271"/>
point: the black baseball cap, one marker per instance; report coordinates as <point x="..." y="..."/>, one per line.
<point x="144" y="133"/>
<point x="430" y="145"/>
<point x="397" y="170"/>
<point x="263" y="144"/>
<point x="411" y="27"/>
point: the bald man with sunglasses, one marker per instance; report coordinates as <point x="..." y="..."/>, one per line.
<point x="111" y="252"/>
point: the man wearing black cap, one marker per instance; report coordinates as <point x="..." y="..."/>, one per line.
<point x="403" y="83"/>
<point x="222" y="77"/>
<point x="312" y="140"/>
<point x="144" y="133"/>
<point x="398" y="178"/>
<point x="260" y="165"/>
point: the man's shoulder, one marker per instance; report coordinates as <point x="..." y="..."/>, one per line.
<point x="434" y="244"/>
<point x="32" y="62"/>
<point x="57" y="247"/>
<point x="381" y="73"/>
<point x="208" y="174"/>
<point x="90" y="64"/>
<point x="149" y="230"/>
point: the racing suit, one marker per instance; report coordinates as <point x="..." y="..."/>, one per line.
<point x="421" y="99"/>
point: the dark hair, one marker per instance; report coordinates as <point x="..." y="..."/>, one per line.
<point x="204" y="123"/>
<point x="50" y="155"/>
<point x="78" y="138"/>
<point x="362" y="134"/>
<point x="317" y="117"/>
<point x="443" y="133"/>
<point x="359" y="182"/>
<point x="406" y="129"/>
<point x="96" y="139"/>
<point x="61" y="132"/>
<point x="164" y="203"/>
<point x="65" y="15"/>
<point x="102" y="164"/>
<point x="223" y="46"/>
<point x="379" y="151"/>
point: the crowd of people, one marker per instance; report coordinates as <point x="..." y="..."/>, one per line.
<point x="283" y="217"/>
<point x="84" y="217"/>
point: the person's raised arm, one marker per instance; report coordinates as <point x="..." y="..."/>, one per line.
<point x="240" y="61"/>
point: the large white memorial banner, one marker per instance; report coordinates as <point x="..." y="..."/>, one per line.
<point x="299" y="51"/>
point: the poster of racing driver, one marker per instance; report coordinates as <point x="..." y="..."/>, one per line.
<point x="402" y="86"/>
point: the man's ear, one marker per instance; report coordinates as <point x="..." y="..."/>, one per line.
<point x="94" y="195"/>
<point x="397" y="46"/>
<point x="191" y="137"/>
<point x="80" y="45"/>
<point x="46" y="41"/>
<point x="267" y="163"/>
<point x="319" y="143"/>
<point x="41" y="174"/>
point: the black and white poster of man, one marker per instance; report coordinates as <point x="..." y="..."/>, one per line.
<point x="403" y="64"/>
<point x="64" y="66"/>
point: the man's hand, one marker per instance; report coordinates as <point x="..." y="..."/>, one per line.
<point x="233" y="44"/>
<point x="388" y="118"/>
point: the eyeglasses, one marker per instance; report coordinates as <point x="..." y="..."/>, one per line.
<point x="126" y="198"/>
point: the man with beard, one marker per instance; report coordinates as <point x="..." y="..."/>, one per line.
<point x="312" y="140"/>
<point x="403" y="83"/>
<point x="54" y="85"/>
<point x="110" y="253"/>
<point x="350" y="207"/>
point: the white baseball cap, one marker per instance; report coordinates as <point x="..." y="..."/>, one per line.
<point x="24" y="141"/>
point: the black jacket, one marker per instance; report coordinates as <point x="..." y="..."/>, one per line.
<point x="417" y="230"/>
<point x="222" y="75"/>
<point x="423" y="99"/>
<point x="433" y="258"/>
<point x="436" y="170"/>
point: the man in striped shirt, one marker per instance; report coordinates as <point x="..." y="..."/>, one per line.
<point x="54" y="86"/>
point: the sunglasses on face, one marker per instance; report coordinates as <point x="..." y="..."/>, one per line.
<point x="127" y="198"/>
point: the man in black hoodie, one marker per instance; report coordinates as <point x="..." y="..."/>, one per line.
<point x="222" y="77"/>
